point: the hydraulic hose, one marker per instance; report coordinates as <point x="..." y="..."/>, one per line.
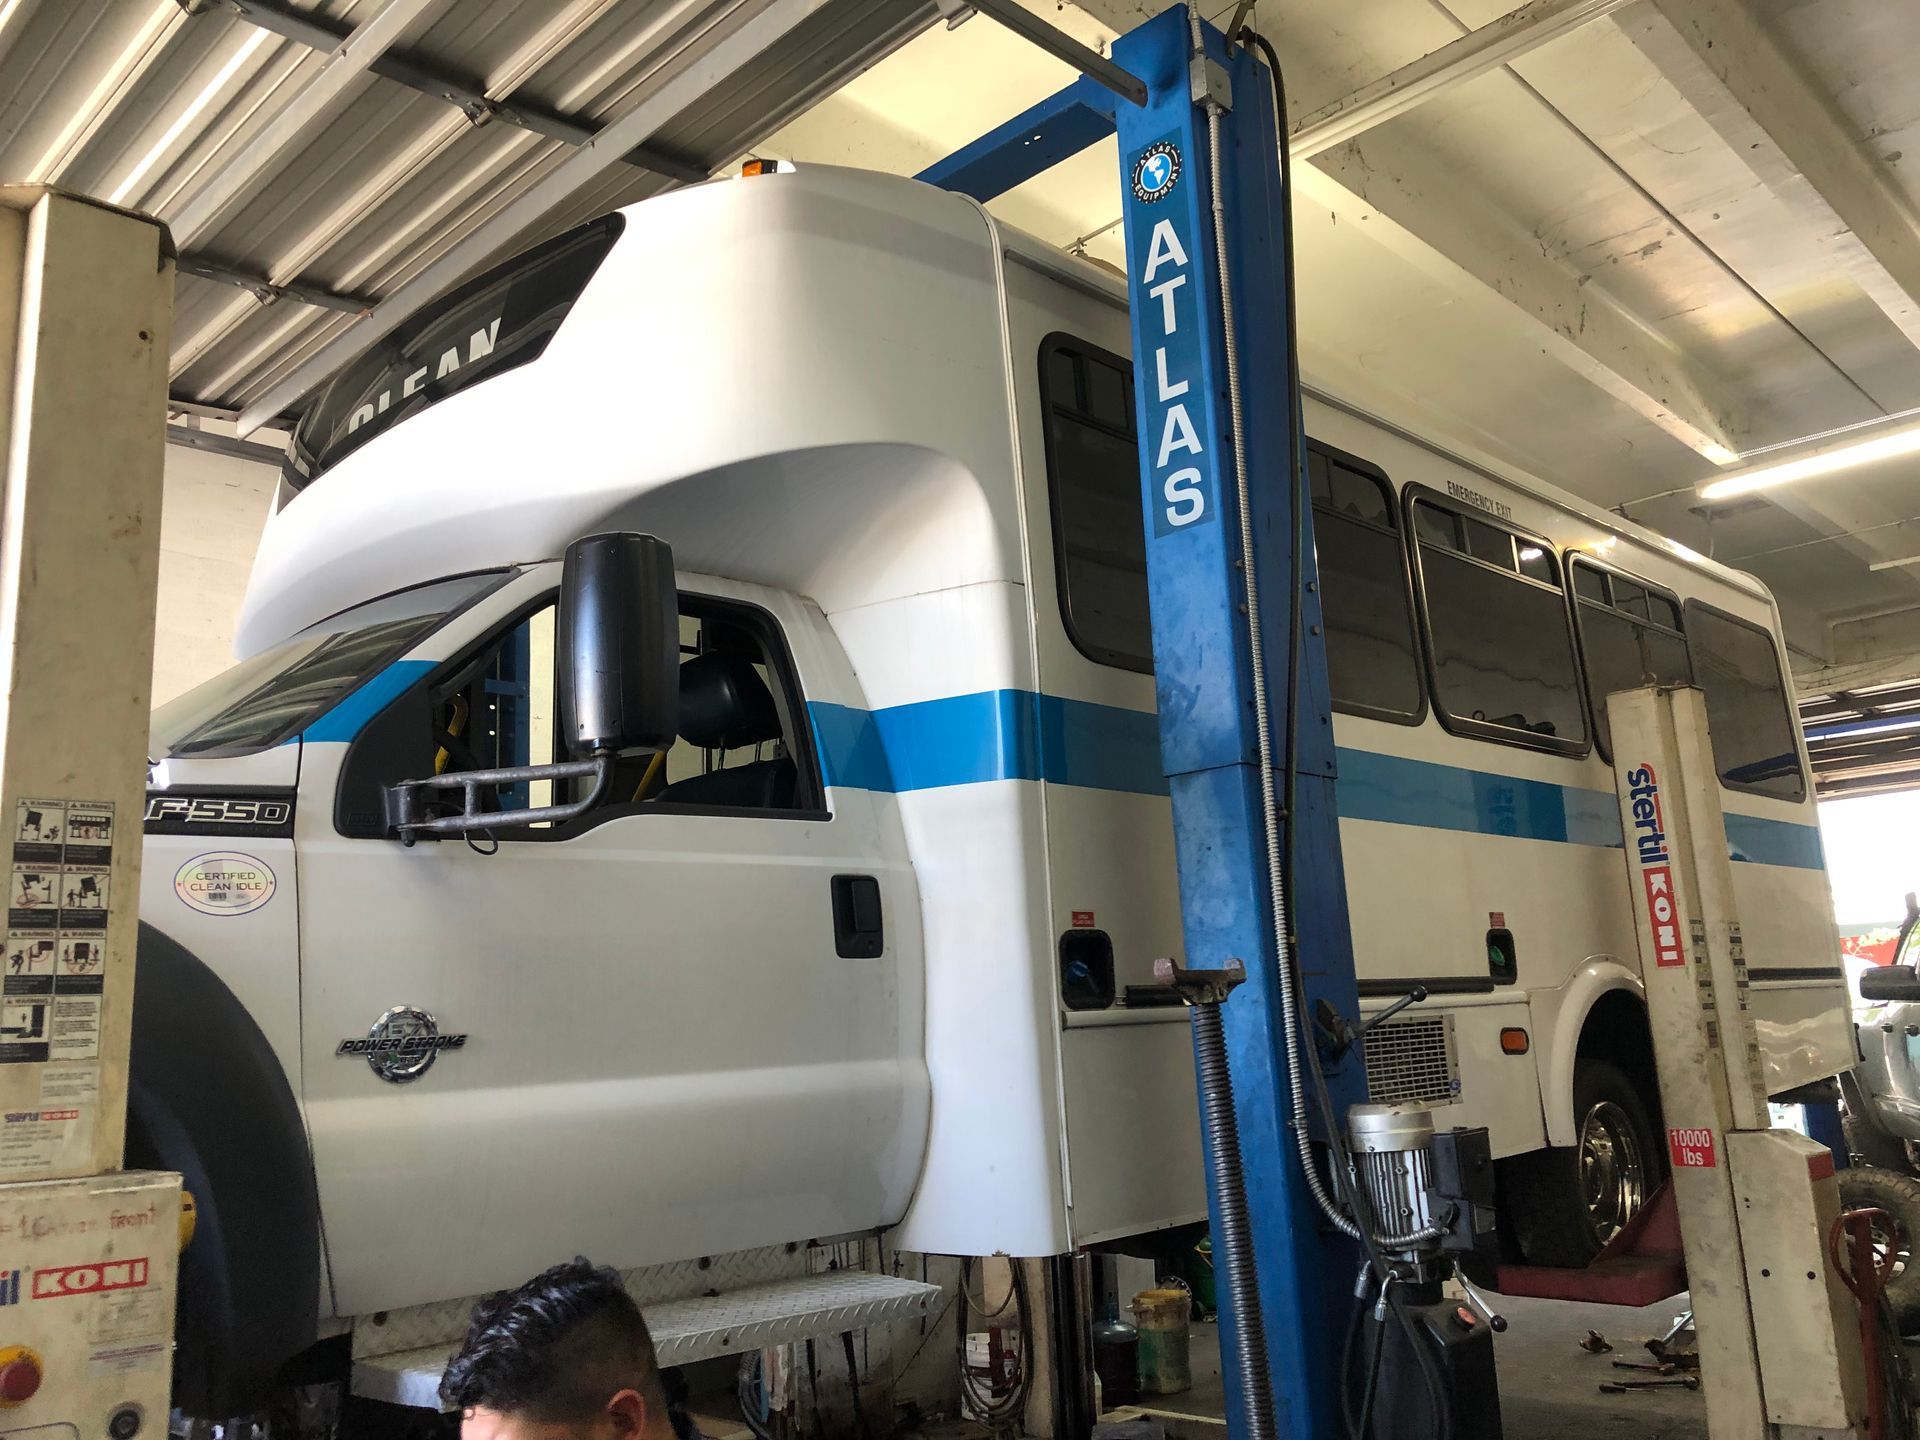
<point x="1285" y="976"/>
<point x="1229" y="1184"/>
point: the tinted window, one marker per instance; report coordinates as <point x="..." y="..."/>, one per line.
<point x="1503" y="661"/>
<point x="1371" y="663"/>
<point x="741" y="746"/>
<point x="492" y="323"/>
<point x="1629" y="637"/>
<point x="271" y="696"/>
<point x="1093" y="462"/>
<point x="1753" y="736"/>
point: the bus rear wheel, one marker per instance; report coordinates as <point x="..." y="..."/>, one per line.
<point x="1567" y="1202"/>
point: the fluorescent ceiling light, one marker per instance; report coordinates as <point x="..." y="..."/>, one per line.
<point x="1834" y="456"/>
<point x="1895" y="564"/>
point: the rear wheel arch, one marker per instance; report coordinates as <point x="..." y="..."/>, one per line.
<point x="207" y="1097"/>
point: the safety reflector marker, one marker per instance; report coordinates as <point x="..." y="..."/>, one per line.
<point x="1691" y="1147"/>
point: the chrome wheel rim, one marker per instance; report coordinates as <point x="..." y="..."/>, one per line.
<point x="1613" y="1169"/>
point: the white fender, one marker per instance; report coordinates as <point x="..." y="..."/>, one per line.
<point x="1561" y="1014"/>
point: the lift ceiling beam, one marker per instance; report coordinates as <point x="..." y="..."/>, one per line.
<point x="319" y="33"/>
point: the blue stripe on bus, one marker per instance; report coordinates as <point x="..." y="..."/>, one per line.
<point x="346" y="719"/>
<point x="990" y="735"/>
<point x="1017" y="735"/>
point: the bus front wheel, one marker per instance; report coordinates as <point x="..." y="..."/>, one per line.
<point x="1567" y="1202"/>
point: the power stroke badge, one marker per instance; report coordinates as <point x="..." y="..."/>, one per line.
<point x="402" y="1045"/>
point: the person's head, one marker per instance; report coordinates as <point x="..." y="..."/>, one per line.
<point x="565" y="1356"/>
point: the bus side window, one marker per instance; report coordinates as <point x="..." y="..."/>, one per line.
<point x="1100" y="555"/>
<point x="1747" y="708"/>
<point x="1373" y="667"/>
<point x="1629" y="637"/>
<point x="1498" y="631"/>
<point x="1093" y="474"/>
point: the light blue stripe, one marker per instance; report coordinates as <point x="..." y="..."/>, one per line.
<point x="1399" y="791"/>
<point x="1017" y="735"/>
<point x="351" y="714"/>
<point x="1775" y="842"/>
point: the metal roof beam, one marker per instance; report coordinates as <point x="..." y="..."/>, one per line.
<point x="728" y="47"/>
<point x="1721" y="56"/>
<point x="192" y="439"/>
<point x="321" y="34"/>
<point x="1406" y="200"/>
<point x="1062" y="46"/>
<point x="1487" y="48"/>
<point x="346" y="66"/>
<point x="267" y="293"/>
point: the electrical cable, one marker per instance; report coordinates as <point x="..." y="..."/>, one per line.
<point x="1001" y="1414"/>
<point x="1351" y="1193"/>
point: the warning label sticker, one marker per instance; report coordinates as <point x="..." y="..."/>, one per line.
<point x="76" y="1028"/>
<point x="53" y="962"/>
<point x="25" y="1024"/>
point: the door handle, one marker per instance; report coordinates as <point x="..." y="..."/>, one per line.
<point x="859" y="928"/>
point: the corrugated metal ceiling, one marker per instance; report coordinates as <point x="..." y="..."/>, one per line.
<point x="163" y="106"/>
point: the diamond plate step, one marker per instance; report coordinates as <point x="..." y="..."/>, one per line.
<point x="751" y="1318"/>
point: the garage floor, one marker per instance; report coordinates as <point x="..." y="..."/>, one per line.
<point x="1548" y="1384"/>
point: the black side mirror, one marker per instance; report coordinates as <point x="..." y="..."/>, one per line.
<point x="617" y="647"/>
<point x="618" y="643"/>
<point x="1890" y="982"/>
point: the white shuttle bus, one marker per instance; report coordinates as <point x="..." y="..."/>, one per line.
<point x="871" y="948"/>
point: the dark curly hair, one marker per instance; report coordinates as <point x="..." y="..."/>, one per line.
<point x="555" y="1349"/>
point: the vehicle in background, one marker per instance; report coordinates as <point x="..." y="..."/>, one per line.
<point x="1880" y="1106"/>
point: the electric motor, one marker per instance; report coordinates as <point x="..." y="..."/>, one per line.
<point x="1393" y="1164"/>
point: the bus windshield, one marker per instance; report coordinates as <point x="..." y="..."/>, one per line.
<point x="271" y="696"/>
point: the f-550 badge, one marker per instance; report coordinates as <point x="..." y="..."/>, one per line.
<point x="402" y="1045"/>
<point x="220" y="814"/>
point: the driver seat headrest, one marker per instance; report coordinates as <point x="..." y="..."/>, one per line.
<point x="724" y="704"/>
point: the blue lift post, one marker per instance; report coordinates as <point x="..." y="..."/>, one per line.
<point x="1203" y="665"/>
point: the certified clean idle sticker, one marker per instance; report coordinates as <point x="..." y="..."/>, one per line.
<point x="224" y="883"/>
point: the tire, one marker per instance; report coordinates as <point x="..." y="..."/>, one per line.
<point x="1566" y="1202"/>
<point x="1862" y="1187"/>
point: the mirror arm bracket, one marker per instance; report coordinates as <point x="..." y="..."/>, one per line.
<point x="406" y="801"/>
